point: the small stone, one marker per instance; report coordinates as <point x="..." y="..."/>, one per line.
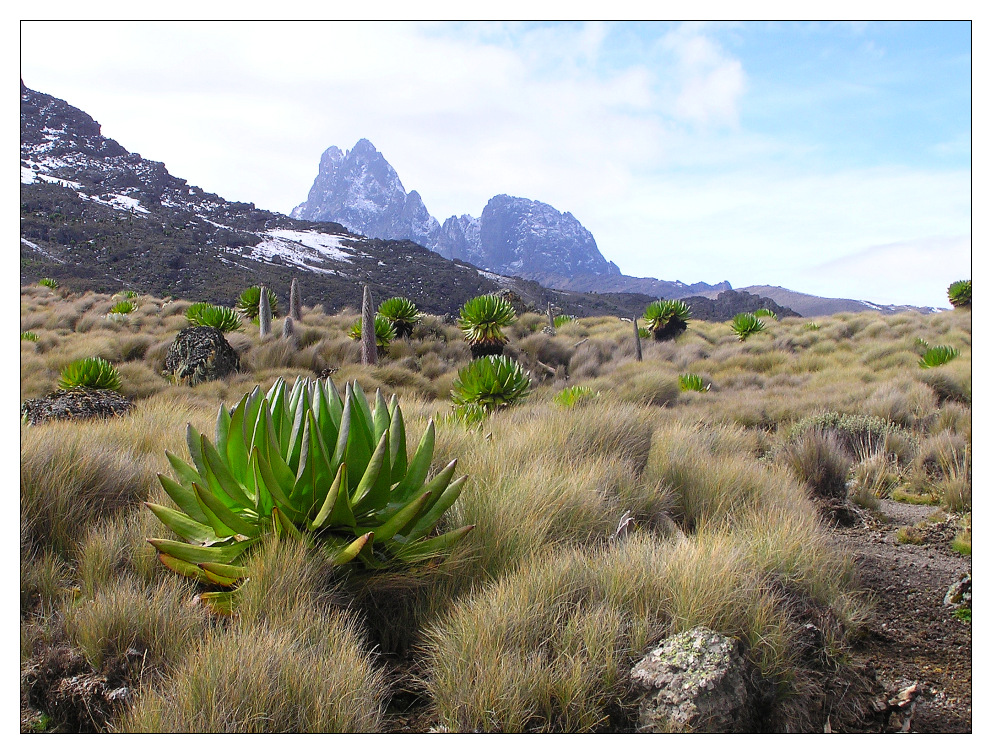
<point x="696" y="681"/>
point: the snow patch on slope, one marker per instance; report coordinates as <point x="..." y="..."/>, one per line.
<point x="308" y="249"/>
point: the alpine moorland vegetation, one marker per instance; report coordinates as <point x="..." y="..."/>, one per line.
<point x="532" y="621"/>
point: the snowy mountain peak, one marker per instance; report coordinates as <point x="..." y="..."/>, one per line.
<point x="360" y="190"/>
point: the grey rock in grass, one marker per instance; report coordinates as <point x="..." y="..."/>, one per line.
<point x="199" y="354"/>
<point x="77" y="403"/>
<point x="693" y="681"/>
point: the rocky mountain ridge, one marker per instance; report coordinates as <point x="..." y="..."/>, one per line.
<point x="817" y="306"/>
<point x="513" y="236"/>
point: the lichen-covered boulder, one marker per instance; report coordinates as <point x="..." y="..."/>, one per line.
<point x="694" y="681"/>
<point x="199" y="354"/>
<point x="77" y="403"/>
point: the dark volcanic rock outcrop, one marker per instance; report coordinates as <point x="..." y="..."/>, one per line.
<point x="77" y="403"/>
<point x="200" y="354"/>
<point x="730" y="303"/>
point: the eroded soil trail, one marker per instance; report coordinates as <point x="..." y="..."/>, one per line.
<point x="913" y="636"/>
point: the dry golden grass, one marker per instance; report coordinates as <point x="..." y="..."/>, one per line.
<point x="534" y="621"/>
<point x="154" y="621"/>
<point x="309" y="674"/>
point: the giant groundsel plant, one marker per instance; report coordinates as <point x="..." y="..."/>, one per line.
<point x="305" y="463"/>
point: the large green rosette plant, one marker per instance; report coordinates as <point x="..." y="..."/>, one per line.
<point x="305" y="463"/>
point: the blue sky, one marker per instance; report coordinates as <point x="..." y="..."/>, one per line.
<point x="830" y="158"/>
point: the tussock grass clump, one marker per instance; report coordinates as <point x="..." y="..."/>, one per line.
<point x="153" y="623"/>
<point x="45" y="581"/>
<point x="861" y="435"/>
<point x="906" y="403"/>
<point x="575" y="473"/>
<point x="68" y="483"/>
<point x="640" y="383"/>
<point x="712" y="475"/>
<point x="873" y="479"/>
<point x="263" y="678"/>
<point x="818" y="458"/>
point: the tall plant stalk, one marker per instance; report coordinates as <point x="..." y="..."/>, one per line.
<point x="370" y="356"/>
<point x="295" y="304"/>
<point x="264" y="313"/>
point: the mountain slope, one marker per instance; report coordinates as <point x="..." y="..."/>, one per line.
<point x="817" y="306"/>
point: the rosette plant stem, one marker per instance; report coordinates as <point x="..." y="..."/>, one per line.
<point x="482" y="320"/>
<point x="385" y="333"/>
<point x="308" y="464"/>
<point x="667" y="319"/>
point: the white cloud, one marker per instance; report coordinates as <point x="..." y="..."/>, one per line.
<point x="921" y="268"/>
<point x="710" y="83"/>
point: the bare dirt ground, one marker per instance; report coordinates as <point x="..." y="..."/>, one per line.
<point x="913" y="637"/>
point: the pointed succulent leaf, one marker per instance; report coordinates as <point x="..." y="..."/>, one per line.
<point x="397" y="442"/>
<point x="398" y="520"/>
<point x="284" y="524"/>
<point x="436" y="487"/>
<point x="193" y="443"/>
<point x="373" y="488"/>
<point x="364" y="408"/>
<point x="328" y="420"/>
<point x="244" y="523"/>
<point x="183" y="497"/>
<point x="235" y="448"/>
<point x="270" y="490"/>
<point x="315" y="477"/>
<point x="221" y="574"/>
<point x="197" y="554"/>
<point x="222" y="603"/>
<point x="222" y="427"/>
<point x="422" y="525"/>
<point x="182" y="567"/>
<point x="340" y="453"/>
<point x="295" y="447"/>
<point x="188" y="528"/>
<point x="336" y="510"/>
<point x="429" y="548"/>
<point x="347" y="554"/>
<point x="227" y="488"/>
<point x="419" y="466"/>
<point x="380" y="416"/>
